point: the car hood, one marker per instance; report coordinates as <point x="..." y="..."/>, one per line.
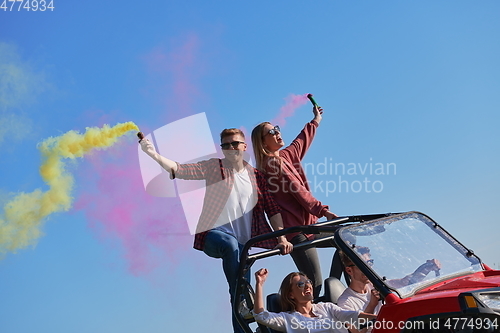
<point x="478" y="280"/>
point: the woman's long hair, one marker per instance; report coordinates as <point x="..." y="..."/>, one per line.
<point x="287" y="303"/>
<point x="262" y="155"/>
<point x="260" y="152"/>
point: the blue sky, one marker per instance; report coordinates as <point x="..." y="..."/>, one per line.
<point x="408" y="83"/>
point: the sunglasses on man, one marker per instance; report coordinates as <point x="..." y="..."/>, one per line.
<point x="227" y="145"/>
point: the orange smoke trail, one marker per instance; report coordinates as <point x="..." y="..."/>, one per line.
<point x="23" y="216"/>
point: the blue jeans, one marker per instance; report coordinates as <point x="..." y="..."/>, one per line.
<point x="219" y="244"/>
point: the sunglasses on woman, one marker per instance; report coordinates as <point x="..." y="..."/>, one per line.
<point x="274" y="130"/>
<point x="302" y="284"/>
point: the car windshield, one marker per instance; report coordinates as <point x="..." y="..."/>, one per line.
<point x="395" y="247"/>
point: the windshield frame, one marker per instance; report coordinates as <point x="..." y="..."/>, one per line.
<point x="381" y="282"/>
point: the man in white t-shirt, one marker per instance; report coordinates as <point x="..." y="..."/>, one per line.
<point x="360" y="295"/>
<point x="236" y="201"/>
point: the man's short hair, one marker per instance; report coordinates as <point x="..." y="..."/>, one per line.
<point x="345" y="259"/>
<point x="231" y="131"/>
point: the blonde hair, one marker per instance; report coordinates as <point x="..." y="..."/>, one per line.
<point x="261" y="153"/>
<point x="346" y="261"/>
<point x="231" y="131"/>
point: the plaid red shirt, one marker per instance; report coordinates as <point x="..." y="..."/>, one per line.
<point x="219" y="180"/>
<point x="287" y="179"/>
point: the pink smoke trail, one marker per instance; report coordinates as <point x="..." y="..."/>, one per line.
<point x="292" y="103"/>
<point x="173" y="73"/>
<point x="151" y="230"/>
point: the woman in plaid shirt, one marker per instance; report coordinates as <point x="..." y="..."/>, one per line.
<point x="235" y="201"/>
<point x="288" y="184"/>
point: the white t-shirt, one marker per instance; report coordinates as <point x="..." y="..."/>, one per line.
<point x="352" y="300"/>
<point x="329" y="319"/>
<point x="236" y="217"/>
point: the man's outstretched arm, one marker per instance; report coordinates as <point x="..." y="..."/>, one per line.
<point x="148" y="147"/>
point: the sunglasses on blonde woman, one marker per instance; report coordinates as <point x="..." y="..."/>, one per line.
<point x="274" y="130"/>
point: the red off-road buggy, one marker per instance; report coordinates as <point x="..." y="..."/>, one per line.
<point x="462" y="296"/>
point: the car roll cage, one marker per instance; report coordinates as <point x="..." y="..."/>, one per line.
<point x="243" y="287"/>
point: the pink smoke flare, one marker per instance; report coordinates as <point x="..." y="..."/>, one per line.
<point x="173" y="72"/>
<point x="292" y="103"/>
<point x="151" y="230"/>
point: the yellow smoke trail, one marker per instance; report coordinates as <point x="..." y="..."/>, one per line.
<point x="23" y="216"/>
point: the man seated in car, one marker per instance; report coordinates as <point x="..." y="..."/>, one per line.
<point x="360" y="295"/>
